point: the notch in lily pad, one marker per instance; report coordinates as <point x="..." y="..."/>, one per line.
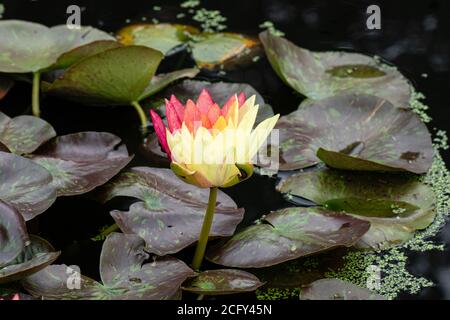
<point x="354" y="132"/>
<point x="319" y="75"/>
<point x="396" y="205"/>
<point x="29" y="47"/>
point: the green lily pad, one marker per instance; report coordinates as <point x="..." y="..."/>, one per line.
<point x="319" y="75"/>
<point x="211" y="50"/>
<point x="161" y="81"/>
<point x="13" y="233"/>
<point x="5" y="85"/>
<point x="335" y="289"/>
<point x="396" y="205"/>
<point x="34" y="257"/>
<point x="124" y="271"/>
<point x="24" y="134"/>
<point x="222" y="281"/>
<point x="163" y="37"/>
<point x="32" y="47"/>
<point x="354" y="132"/>
<point x="80" y="162"/>
<point x="25" y="185"/>
<point x="170" y="215"/>
<point x="288" y="234"/>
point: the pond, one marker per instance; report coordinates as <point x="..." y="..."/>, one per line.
<point x="413" y="38"/>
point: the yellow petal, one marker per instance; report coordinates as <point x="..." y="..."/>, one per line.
<point x="259" y="135"/>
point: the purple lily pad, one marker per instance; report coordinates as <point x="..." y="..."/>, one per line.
<point x="335" y="289"/>
<point x="13" y="233"/>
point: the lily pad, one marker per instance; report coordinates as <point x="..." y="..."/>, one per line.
<point x="163" y="37"/>
<point x="32" y="47"/>
<point x="396" y="205"/>
<point x="13" y="233"/>
<point x="82" y="161"/>
<point x="319" y="75"/>
<point x="354" y="132"/>
<point x="335" y="289"/>
<point x="222" y="281"/>
<point x="161" y="81"/>
<point x="170" y="215"/>
<point x="25" y="185"/>
<point x="125" y="272"/>
<point x="34" y="257"/>
<point x="288" y="234"/>
<point x="5" y="85"/>
<point x="24" y="134"/>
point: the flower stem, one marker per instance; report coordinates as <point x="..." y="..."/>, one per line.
<point x="141" y="114"/>
<point x="35" y="95"/>
<point x="206" y="227"/>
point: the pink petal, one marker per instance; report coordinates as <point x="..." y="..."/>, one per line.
<point x="172" y="118"/>
<point x="192" y="116"/>
<point x="228" y="104"/>
<point x="179" y="108"/>
<point x="160" y="131"/>
<point x="241" y="99"/>
<point x="204" y="101"/>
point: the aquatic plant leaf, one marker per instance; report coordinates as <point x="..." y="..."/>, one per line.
<point x="335" y="289"/>
<point x="151" y="149"/>
<point x="25" y="185"/>
<point x="354" y="132"/>
<point x="288" y="234"/>
<point x="163" y="37"/>
<point x="13" y="233"/>
<point x="226" y="49"/>
<point x="24" y="134"/>
<point x="396" y="205"/>
<point x="170" y="215"/>
<point x="80" y="162"/>
<point x="34" y="257"/>
<point x="113" y="77"/>
<point x="5" y="85"/>
<point x="124" y="269"/>
<point x="32" y="47"/>
<point x="222" y="281"/>
<point x="319" y="75"/>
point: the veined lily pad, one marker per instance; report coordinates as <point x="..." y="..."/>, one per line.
<point x="163" y="37"/>
<point x="24" y="134"/>
<point x="32" y="47"/>
<point x="81" y="161"/>
<point x="354" y="132"/>
<point x="25" y="185"/>
<point x="34" y="257"/>
<point x="5" y="85"/>
<point x="125" y="273"/>
<point x="320" y="75"/>
<point x="395" y="205"/>
<point x="288" y="234"/>
<point x="13" y="233"/>
<point x="222" y="281"/>
<point x="335" y="289"/>
<point x="171" y="213"/>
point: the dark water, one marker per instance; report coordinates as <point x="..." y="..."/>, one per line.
<point x="415" y="36"/>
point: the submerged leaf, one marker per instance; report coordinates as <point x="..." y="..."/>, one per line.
<point x="222" y="281"/>
<point x="335" y="289"/>
<point x="288" y="234"/>
<point x="395" y="205"/>
<point x="25" y="185"/>
<point x="81" y="161"/>
<point x="171" y="213"/>
<point x="354" y="132"/>
<point x="24" y="134"/>
<point x="13" y="234"/>
<point x="320" y="75"/>
<point x="32" y="47"/>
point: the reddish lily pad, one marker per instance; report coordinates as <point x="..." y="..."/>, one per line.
<point x="354" y="132"/>
<point x="34" y="257"/>
<point x="319" y="75"/>
<point x="396" y="205"/>
<point x="222" y="281"/>
<point x="124" y="271"/>
<point x="5" y="85"/>
<point x="32" y="47"/>
<point x="13" y="234"/>
<point x="170" y="215"/>
<point x="24" y="134"/>
<point x="335" y="289"/>
<point x="25" y="185"/>
<point x="288" y="234"/>
<point x="82" y="161"/>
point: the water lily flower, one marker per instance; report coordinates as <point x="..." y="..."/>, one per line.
<point x="14" y="297"/>
<point x="210" y="146"/>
